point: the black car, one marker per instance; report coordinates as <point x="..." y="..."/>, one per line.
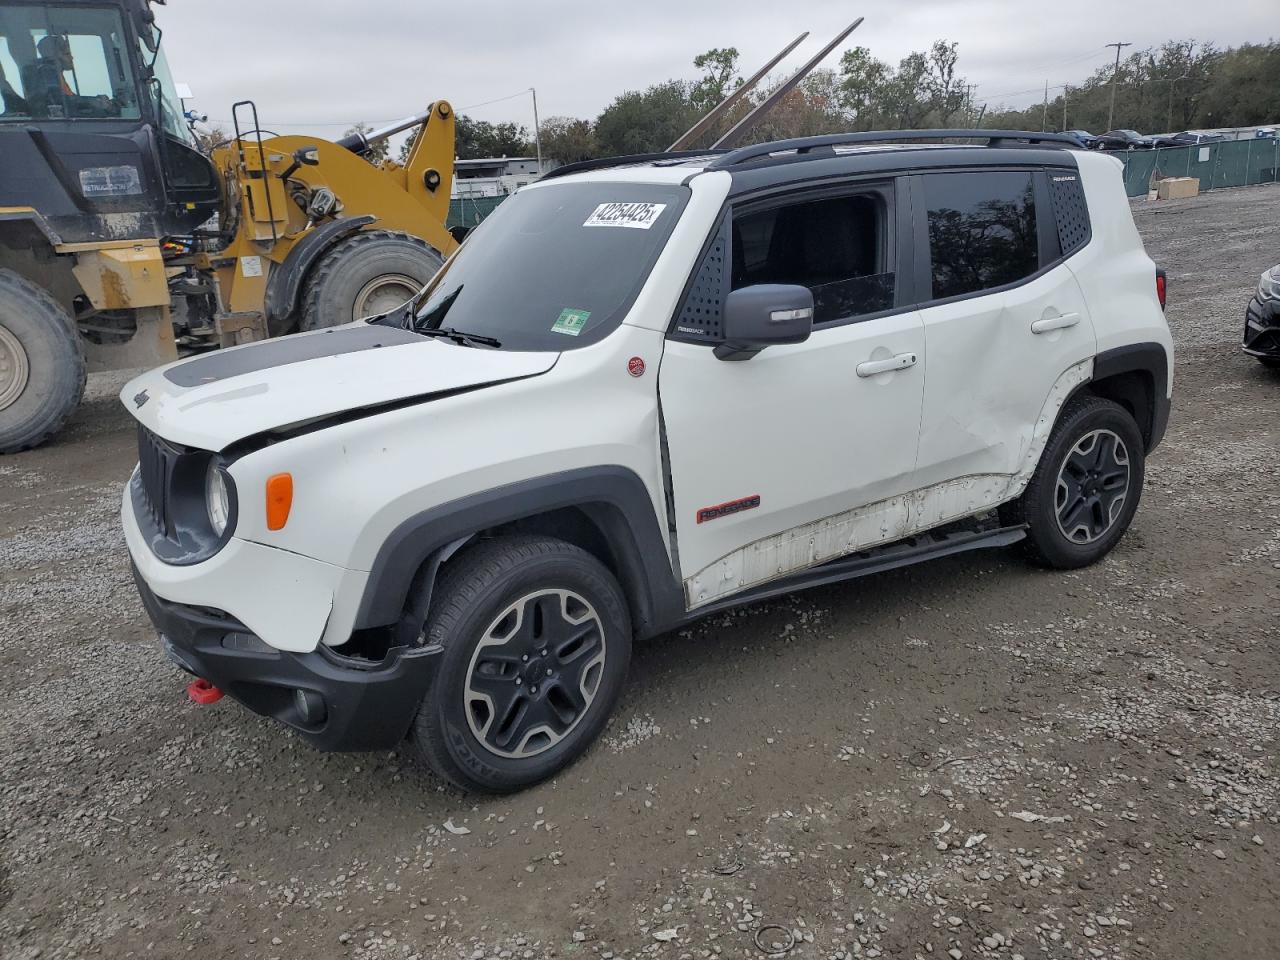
<point x="1123" y="140"/>
<point x="1085" y="137"/>
<point x="1189" y="138"/>
<point x="1262" y="321"/>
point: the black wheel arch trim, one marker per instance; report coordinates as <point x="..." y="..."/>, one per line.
<point x="285" y="282"/>
<point x="614" y="500"/>
<point x="1151" y="359"/>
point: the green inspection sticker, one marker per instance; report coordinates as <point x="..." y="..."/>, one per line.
<point x="570" y="322"/>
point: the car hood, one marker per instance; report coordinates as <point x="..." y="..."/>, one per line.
<point x="213" y="400"/>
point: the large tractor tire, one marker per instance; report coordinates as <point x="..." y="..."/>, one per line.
<point x="41" y="365"/>
<point x="368" y="274"/>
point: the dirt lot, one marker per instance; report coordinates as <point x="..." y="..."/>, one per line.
<point x="971" y="758"/>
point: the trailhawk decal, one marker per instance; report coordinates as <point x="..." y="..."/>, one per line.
<point x="726" y="509"/>
<point x="638" y="216"/>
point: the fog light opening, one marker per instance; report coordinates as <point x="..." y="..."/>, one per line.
<point x="311" y="708"/>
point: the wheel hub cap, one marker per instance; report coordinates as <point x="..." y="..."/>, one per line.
<point x="383" y="294"/>
<point x="14" y="368"/>
<point x="1093" y="485"/>
<point x="535" y="673"/>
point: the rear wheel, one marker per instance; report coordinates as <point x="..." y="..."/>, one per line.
<point x="42" y="373"/>
<point x="536" y="642"/>
<point x="1086" y="487"/>
<point x="366" y="275"/>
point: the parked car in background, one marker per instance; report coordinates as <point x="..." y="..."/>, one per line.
<point x="1123" y="140"/>
<point x="1189" y="138"/>
<point x="1262" y="321"/>
<point x="1084" y="136"/>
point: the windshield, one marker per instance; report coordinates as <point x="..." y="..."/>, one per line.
<point x="555" y="267"/>
<point x="60" y="62"/>
<point x="169" y="106"/>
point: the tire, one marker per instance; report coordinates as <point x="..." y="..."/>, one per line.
<point x="491" y="721"/>
<point x="42" y="371"/>
<point x="1271" y="363"/>
<point x="364" y="275"/>
<point x="1096" y="451"/>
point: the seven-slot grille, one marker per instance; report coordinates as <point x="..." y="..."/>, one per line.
<point x="155" y="468"/>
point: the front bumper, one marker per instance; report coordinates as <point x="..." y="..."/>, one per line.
<point x="362" y="705"/>
<point x="1262" y="328"/>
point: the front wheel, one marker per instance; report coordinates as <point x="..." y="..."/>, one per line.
<point x="1086" y="488"/>
<point x="536" y="641"/>
<point x="42" y="373"/>
<point x="368" y="274"/>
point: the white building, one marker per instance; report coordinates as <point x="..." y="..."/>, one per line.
<point x="493" y="176"/>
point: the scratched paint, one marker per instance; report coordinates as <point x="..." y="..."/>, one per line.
<point x="882" y="522"/>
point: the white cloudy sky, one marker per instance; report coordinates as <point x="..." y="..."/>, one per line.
<point x="377" y="60"/>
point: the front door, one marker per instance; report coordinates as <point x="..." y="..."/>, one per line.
<point x="802" y="452"/>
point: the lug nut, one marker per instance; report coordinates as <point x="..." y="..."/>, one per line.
<point x="518" y="681"/>
<point x="534" y="688"/>
<point x="548" y="671"/>
<point x="524" y="657"/>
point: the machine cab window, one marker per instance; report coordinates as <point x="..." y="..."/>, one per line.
<point x="65" y="63"/>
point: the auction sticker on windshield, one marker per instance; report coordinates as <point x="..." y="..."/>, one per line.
<point x="638" y="216"/>
<point x="570" y="322"/>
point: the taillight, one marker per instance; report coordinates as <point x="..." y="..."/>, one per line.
<point x="1162" y="282"/>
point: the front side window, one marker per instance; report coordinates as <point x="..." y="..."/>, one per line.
<point x="554" y="267"/>
<point x="60" y="62"/>
<point x="982" y="230"/>
<point x="835" y="246"/>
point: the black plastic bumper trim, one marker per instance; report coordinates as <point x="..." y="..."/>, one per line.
<point x="367" y="706"/>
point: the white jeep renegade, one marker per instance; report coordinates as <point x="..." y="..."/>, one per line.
<point x="643" y="390"/>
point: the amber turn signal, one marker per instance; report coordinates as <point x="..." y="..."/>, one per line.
<point x="279" y="500"/>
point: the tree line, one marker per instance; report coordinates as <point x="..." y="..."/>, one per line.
<point x="1179" y="85"/>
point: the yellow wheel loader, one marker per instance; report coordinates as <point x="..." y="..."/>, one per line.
<point x="120" y="242"/>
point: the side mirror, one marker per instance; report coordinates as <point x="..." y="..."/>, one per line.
<point x="764" y="315"/>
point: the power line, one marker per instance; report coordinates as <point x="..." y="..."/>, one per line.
<point x="373" y="121"/>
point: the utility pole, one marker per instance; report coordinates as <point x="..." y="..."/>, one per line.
<point x="537" y="134"/>
<point x="1066" y="89"/>
<point x="1044" y="113"/>
<point x="1111" y="111"/>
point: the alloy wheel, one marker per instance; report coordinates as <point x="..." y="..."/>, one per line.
<point x="535" y="673"/>
<point x="1092" y="487"/>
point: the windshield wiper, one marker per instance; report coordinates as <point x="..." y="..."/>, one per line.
<point x="460" y="336"/>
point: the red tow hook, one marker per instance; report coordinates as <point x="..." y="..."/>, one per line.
<point x="203" y="692"/>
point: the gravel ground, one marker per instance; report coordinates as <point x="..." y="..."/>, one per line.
<point x="967" y="759"/>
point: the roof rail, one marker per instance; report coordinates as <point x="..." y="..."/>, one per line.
<point x="809" y="145"/>
<point x="604" y="163"/>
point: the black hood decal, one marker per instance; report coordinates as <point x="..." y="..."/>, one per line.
<point x="224" y="364"/>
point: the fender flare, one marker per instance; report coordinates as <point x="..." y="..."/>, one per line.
<point x="1151" y="359"/>
<point x="614" y="500"/>
<point x="285" y="282"/>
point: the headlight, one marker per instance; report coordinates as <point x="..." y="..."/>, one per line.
<point x="216" y="497"/>
<point x="1269" y="287"/>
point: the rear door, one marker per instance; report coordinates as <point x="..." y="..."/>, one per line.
<point x="1004" y="321"/>
<point x="796" y="455"/>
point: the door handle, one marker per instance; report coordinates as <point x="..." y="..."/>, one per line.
<point x="1060" y="322"/>
<point x="869" y="368"/>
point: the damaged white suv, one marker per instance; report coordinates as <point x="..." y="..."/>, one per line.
<point x="643" y="390"/>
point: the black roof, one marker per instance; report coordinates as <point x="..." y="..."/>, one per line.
<point x="847" y="154"/>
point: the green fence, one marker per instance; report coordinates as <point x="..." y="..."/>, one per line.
<point x="469" y="211"/>
<point x="1228" y="163"/>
